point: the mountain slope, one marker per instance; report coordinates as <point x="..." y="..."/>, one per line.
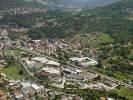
<point x="82" y="3"/>
<point x="6" y="4"/>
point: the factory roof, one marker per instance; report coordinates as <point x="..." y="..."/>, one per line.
<point x="52" y="70"/>
<point x="51" y="62"/>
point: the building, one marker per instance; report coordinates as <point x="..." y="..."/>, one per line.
<point x="82" y="76"/>
<point x="57" y="80"/>
<point x="37" y="88"/>
<point x="30" y="89"/>
<point x="70" y="70"/>
<point x="110" y="83"/>
<point x="52" y="70"/>
<point x="83" y="62"/>
<point x="42" y="96"/>
<point x="2" y="95"/>
<point x="52" y="63"/>
<point x="43" y="75"/>
<point x="33" y="66"/>
<point x="88" y="75"/>
<point x="42" y="60"/>
<point x="51" y="95"/>
<point x="18" y="95"/>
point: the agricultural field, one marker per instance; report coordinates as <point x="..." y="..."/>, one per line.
<point x="13" y="71"/>
<point x="15" y="53"/>
<point x="126" y="92"/>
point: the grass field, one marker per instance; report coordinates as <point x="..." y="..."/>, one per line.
<point x="10" y="52"/>
<point x="105" y="38"/>
<point x="117" y="74"/>
<point x="126" y="92"/>
<point x="13" y="52"/>
<point x="13" y="71"/>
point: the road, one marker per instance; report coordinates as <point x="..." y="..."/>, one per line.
<point x="25" y="67"/>
<point x="110" y="78"/>
<point x="35" y="53"/>
<point x="115" y="80"/>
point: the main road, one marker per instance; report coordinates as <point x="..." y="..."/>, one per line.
<point x="36" y="53"/>
<point x="115" y="80"/>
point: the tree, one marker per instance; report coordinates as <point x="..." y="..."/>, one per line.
<point x="21" y="72"/>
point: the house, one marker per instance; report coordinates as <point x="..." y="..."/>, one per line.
<point x="110" y="98"/>
<point x="83" y="62"/>
<point x="77" y="98"/>
<point x="37" y="88"/>
<point x="14" y="82"/>
<point x="2" y="66"/>
<point x="51" y="95"/>
<point x="27" y="89"/>
<point x="42" y="96"/>
<point x="2" y="95"/>
<point x="102" y="98"/>
<point x="43" y="75"/>
<point x="18" y="95"/>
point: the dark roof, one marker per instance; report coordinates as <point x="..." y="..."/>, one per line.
<point x="108" y="82"/>
<point x="42" y="74"/>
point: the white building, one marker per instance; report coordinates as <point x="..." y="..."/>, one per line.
<point x="83" y="62"/>
<point x="40" y="59"/>
<point x="52" y="70"/>
<point x="53" y="63"/>
<point x="37" y="88"/>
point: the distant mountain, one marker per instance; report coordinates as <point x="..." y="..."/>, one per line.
<point x="7" y="4"/>
<point x="74" y="3"/>
<point x="81" y="3"/>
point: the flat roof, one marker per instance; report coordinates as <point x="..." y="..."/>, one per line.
<point x="30" y="63"/>
<point x="25" y="84"/>
<point x="51" y="70"/>
<point x="36" y="87"/>
<point x="84" y="60"/>
<point x="40" y="59"/>
<point x="51" y="62"/>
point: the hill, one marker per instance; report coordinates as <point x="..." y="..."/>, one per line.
<point x="115" y="19"/>
<point x="81" y="3"/>
<point x="6" y="4"/>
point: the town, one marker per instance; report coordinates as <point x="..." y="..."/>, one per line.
<point x="45" y="73"/>
<point x="66" y="50"/>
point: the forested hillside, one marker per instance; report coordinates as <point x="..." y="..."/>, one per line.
<point x="115" y="19"/>
<point x="5" y="4"/>
<point x="82" y="3"/>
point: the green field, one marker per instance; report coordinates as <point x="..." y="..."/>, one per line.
<point x="126" y="92"/>
<point x="13" y="52"/>
<point x="13" y="71"/>
<point x="117" y="74"/>
<point x="105" y="38"/>
<point x="9" y="52"/>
